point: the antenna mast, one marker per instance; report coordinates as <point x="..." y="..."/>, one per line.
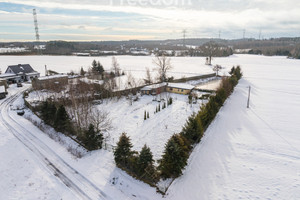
<point x="37" y="36"/>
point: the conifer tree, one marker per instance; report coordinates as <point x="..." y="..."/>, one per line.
<point x="145" y="115"/>
<point x="82" y="72"/>
<point x="193" y="130"/>
<point x="92" y="139"/>
<point x="148" y="115"/>
<point x="145" y="160"/>
<point x="174" y="158"/>
<point x="123" y="151"/>
<point x="61" y="119"/>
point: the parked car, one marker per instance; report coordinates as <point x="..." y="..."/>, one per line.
<point x="19" y="84"/>
<point x="20" y="112"/>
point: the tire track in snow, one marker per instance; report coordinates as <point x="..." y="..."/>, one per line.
<point x="77" y="183"/>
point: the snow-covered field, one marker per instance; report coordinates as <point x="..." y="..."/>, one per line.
<point x="246" y="153"/>
<point x="136" y="65"/>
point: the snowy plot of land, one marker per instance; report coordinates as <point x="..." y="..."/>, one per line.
<point x="154" y="131"/>
<point x="245" y="154"/>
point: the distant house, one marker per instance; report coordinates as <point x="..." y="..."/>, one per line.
<point x="19" y="73"/>
<point x="53" y="82"/>
<point x="179" y="88"/>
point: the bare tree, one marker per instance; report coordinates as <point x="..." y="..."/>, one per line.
<point x="100" y="120"/>
<point x="210" y="49"/>
<point x="148" y="78"/>
<point x="163" y="66"/>
<point x="217" y="68"/>
<point x="115" y="66"/>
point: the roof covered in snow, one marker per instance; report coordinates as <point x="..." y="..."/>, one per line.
<point x="154" y="86"/>
<point x="53" y="77"/>
<point x="20" y="68"/>
<point x="181" y="86"/>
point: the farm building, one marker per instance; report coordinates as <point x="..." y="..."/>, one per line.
<point x="50" y="82"/>
<point x="179" y="88"/>
<point x="19" y="73"/>
<point x="154" y="89"/>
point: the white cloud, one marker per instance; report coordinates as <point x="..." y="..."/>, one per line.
<point x="202" y="18"/>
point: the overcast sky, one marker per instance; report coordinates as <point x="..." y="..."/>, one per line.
<point x="95" y="20"/>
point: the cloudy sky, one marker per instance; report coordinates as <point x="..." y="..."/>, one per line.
<point x="95" y="20"/>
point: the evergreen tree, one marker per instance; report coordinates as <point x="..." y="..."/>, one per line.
<point x="100" y="68"/>
<point x="193" y="130"/>
<point x="94" y="66"/>
<point x="145" y="163"/>
<point x="148" y="115"/>
<point x="174" y="158"/>
<point x="61" y="122"/>
<point x="158" y="107"/>
<point x="123" y="151"/>
<point x="232" y="70"/>
<point x="92" y="139"/>
<point x="82" y="72"/>
<point x="145" y="115"/>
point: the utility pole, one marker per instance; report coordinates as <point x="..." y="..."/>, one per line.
<point x="219" y="34"/>
<point x="244" y="33"/>
<point x="259" y="35"/>
<point x="248" y="102"/>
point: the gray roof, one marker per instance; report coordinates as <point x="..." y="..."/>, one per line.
<point x="24" y="68"/>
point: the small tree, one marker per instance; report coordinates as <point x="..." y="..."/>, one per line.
<point x="145" y="160"/>
<point x="92" y="139"/>
<point x="193" y="130"/>
<point x="145" y="115"/>
<point x="123" y="151"/>
<point x="174" y="158"/>
<point x="82" y="72"/>
<point x="61" y="122"/>
<point x="148" y="115"/>
<point x="115" y="66"/>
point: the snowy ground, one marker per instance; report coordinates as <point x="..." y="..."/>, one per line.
<point x="245" y="154"/>
<point x="156" y="130"/>
<point x="250" y="153"/>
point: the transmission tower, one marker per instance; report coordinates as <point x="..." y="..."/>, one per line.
<point x="184" y="36"/>
<point x="37" y="36"/>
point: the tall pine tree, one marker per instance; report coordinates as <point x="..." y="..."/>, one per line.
<point x="123" y="151"/>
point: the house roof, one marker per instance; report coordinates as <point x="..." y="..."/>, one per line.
<point x="21" y="68"/>
<point x="181" y="86"/>
<point x="155" y="86"/>
<point x="53" y="77"/>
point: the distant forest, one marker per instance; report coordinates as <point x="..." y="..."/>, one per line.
<point x="193" y="47"/>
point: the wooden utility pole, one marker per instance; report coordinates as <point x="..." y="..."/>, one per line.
<point x="248" y="102"/>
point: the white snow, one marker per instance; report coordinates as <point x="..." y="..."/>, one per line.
<point x="181" y="86"/>
<point x="245" y="153"/>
